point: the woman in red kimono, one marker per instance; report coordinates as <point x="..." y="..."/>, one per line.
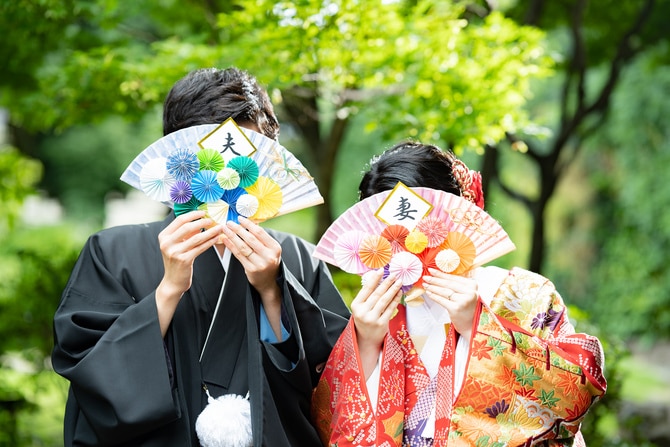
<point x="487" y="359"/>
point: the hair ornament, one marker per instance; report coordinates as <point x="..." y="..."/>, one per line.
<point x="469" y="182"/>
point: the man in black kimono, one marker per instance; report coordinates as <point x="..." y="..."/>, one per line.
<point x="154" y="313"/>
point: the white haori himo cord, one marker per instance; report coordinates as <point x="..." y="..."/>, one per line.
<point x="226" y="420"/>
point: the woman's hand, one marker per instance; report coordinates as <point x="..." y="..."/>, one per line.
<point x="372" y="309"/>
<point x="457" y="294"/>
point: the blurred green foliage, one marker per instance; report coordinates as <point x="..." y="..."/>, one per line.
<point x="35" y="263"/>
<point x="632" y="276"/>
<point x="18" y="176"/>
<point x="82" y="165"/>
<point x="73" y="63"/>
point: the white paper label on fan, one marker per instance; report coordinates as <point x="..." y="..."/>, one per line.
<point x="229" y="140"/>
<point x="403" y="207"/>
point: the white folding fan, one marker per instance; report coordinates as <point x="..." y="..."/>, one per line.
<point x="407" y="230"/>
<point x="224" y="169"/>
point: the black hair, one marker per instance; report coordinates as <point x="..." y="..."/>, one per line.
<point x="211" y="95"/>
<point x="414" y="164"/>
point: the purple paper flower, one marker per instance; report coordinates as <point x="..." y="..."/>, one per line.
<point x="181" y="192"/>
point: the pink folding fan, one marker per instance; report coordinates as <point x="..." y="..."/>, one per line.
<point x="407" y="230"/>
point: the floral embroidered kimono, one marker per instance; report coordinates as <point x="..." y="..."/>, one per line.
<point x="525" y="379"/>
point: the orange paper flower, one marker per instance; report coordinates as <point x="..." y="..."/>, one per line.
<point x="464" y="248"/>
<point x="375" y="251"/>
<point x="396" y="235"/>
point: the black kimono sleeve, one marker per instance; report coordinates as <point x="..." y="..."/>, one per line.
<point x="317" y="315"/>
<point x="108" y="344"/>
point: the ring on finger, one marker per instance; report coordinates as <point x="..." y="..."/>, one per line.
<point x="248" y="252"/>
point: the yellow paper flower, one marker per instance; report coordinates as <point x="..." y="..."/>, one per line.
<point x="269" y="197"/>
<point x="416" y="241"/>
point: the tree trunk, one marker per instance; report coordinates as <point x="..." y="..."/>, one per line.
<point x="537" y="209"/>
<point x="576" y="110"/>
<point x="489" y="168"/>
<point x="326" y="169"/>
<point x="300" y="104"/>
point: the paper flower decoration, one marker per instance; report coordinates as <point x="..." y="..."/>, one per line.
<point x="156" y="181"/>
<point x="217" y="211"/>
<point x="228" y="178"/>
<point x="427" y="258"/>
<point x="396" y="235"/>
<point x="464" y="247"/>
<point x="205" y="187"/>
<point x="247" y="170"/>
<point x="183" y="208"/>
<point x="447" y="260"/>
<point x="269" y="197"/>
<point x="407" y="267"/>
<point x="416" y="241"/>
<point x="182" y="164"/>
<point x="375" y="251"/>
<point x="452" y="235"/>
<point x="346" y="252"/>
<point x="247" y="205"/>
<point x="181" y="192"/>
<point x="434" y="229"/>
<point x="210" y="160"/>
<point x="231" y="196"/>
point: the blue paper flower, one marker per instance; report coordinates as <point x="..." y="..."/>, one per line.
<point x="182" y="164"/>
<point x="205" y="187"/>
<point x="230" y="196"/>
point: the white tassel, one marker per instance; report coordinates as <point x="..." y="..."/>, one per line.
<point x="225" y="422"/>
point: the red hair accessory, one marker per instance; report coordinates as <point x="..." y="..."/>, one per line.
<point x="469" y="182"/>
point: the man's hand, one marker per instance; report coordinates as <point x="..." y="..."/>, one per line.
<point x="260" y="255"/>
<point x="188" y="236"/>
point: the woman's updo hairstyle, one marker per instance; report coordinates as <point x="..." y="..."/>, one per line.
<point x="415" y="165"/>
